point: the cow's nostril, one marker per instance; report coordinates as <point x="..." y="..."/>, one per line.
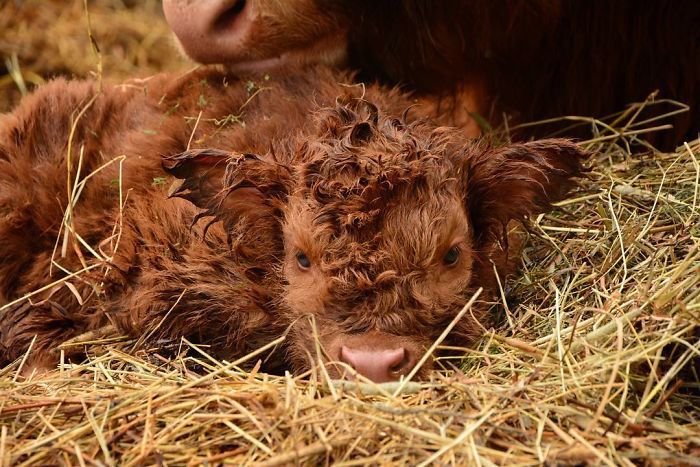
<point x="227" y="16"/>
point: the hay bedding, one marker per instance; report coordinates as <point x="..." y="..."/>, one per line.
<point x="40" y="39"/>
<point x="594" y="360"/>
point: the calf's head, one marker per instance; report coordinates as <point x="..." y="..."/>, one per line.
<point x="382" y="229"/>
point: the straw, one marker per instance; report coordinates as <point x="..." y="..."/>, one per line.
<point x="596" y="361"/>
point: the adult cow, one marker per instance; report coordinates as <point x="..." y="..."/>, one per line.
<point x="530" y="59"/>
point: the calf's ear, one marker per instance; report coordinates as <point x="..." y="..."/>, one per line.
<point x="518" y="180"/>
<point x="230" y="187"/>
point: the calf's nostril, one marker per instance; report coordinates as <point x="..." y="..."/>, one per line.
<point x="396" y="359"/>
<point x="400" y="366"/>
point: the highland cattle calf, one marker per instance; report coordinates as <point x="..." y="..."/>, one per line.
<point x="532" y="60"/>
<point x="299" y="205"/>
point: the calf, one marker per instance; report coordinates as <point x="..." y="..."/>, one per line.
<point x="301" y="206"/>
<point x="530" y="59"/>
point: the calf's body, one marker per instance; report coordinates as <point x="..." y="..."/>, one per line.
<point x="301" y="205"/>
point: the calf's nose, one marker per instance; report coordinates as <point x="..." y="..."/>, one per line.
<point x="379" y="365"/>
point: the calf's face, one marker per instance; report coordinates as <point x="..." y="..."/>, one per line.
<point x="384" y="229"/>
<point x="377" y="260"/>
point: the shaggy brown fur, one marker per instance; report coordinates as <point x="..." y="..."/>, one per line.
<point x="531" y="59"/>
<point x="374" y="227"/>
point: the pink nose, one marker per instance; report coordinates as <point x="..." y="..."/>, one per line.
<point x="380" y="365"/>
<point x="210" y="31"/>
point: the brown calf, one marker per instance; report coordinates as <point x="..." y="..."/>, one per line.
<point x="300" y="207"/>
<point x="530" y="59"/>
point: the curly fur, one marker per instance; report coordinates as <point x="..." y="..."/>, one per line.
<point x="373" y="196"/>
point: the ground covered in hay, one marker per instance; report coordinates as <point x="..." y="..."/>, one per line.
<point x="594" y="358"/>
<point x="41" y="39"/>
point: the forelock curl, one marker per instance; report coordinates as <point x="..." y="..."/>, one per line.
<point x="362" y="158"/>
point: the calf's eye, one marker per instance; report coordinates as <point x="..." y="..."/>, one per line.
<point x="451" y="257"/>
<point x="303" y="261"/>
